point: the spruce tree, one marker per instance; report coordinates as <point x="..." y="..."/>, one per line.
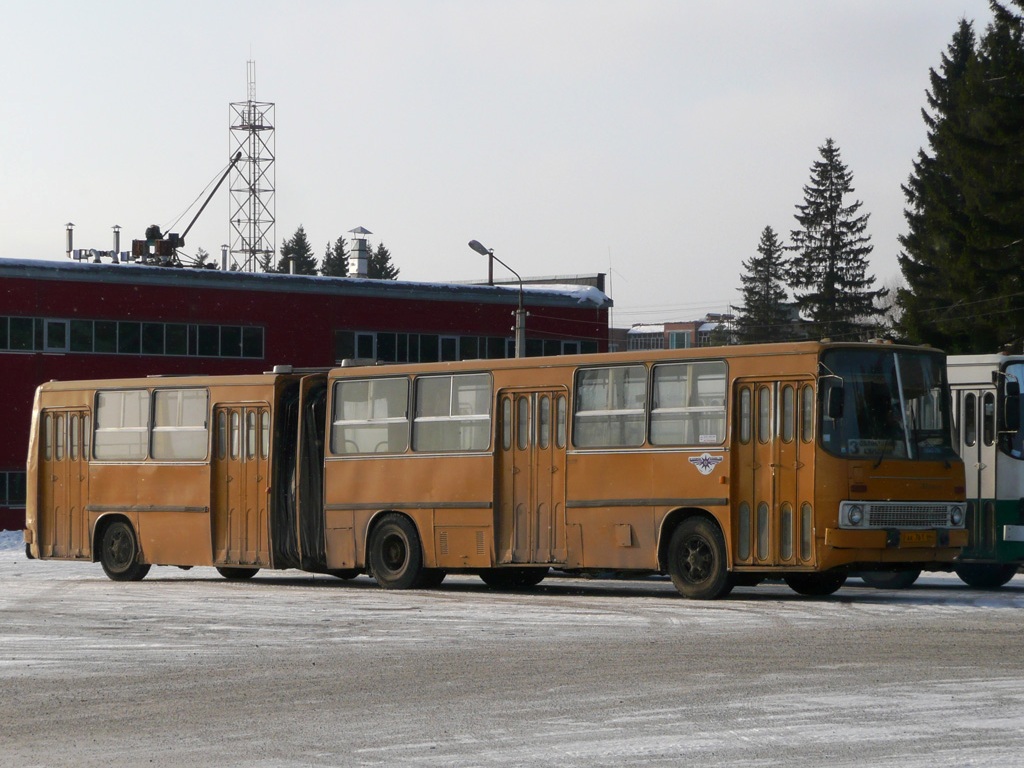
<point x="963" y="256"/>
<point x="934" y="247"/>
<point x="335" y="262"/>
<point x="828" y="273"/>
<point x="764" y="315"/>
<point x="297" y="249"/>
<point x="379" y="266"/>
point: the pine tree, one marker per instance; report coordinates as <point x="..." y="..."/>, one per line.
<point x="764" y="315"/>
<point x="828" y="274"/>
<point x="297" y="249"/>
<point x="379" y="266"/>
<point x="335" y="262"/>
<point x="934" y="246"/>
<point x="202" y="260"/>
<point x="963" y="256"/>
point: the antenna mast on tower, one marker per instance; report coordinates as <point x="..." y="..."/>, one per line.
<point x="252" y="181"/>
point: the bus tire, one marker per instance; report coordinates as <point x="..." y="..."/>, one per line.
<point x="119" y="553"/>
<point x="513" y="578"/>
<point x="237" y="574"/>
<point x="985" y="576"/>
<point x="890" y="579"/>
<point x="816" y="584"/>
<point x="344" y="573"/>
<point x="697" y="562"/>
<point x="396" y="560"/>
<point x="431" y="577"/>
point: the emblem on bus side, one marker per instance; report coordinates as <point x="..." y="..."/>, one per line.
<point x="705" y="463"/>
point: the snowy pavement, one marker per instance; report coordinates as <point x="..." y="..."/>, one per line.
<point x="289" y="669"/>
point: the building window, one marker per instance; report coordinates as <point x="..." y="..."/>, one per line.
<point x="110" y="337"/>
<point x="12" y="489"/>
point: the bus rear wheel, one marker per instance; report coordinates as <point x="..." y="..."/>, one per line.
<point x="982" y="576"/>
<point x="816" y="584"/>
<point x="396" y="560"/>
<point x="890" y="579"/>
<point x="696" y="560"/>
<point x="513" y="578"/>
<point x="237" y="574"/>
<point x="119" y="553"/>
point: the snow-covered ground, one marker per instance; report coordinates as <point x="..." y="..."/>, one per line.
<point x="11" y="540"/>
<point x="288" y="670"/>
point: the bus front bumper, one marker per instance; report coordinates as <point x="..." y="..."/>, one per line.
<point x="895" y="538"/>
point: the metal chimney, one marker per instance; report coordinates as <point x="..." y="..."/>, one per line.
<point x="360" y="252"/>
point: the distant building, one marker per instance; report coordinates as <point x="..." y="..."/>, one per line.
<point x="711" y="329"/>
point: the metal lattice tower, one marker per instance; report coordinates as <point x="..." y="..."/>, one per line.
<point x="252" y="182"/>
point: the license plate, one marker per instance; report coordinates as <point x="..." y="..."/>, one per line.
<point x="918" y="538"/>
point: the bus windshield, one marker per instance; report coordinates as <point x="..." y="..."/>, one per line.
<point x="885" y="404"/>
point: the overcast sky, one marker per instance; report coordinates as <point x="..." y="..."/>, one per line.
<point x="650" y="139"/>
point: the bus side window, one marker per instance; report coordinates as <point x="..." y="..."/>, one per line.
<point x="970" y="425"/>
<point x="59" y="435"/>
<point x="788" y="415"/>
<point x="745" y="415"/>
<point x="222" y="435"/>
<point x="506" y="423"/>
<point x="74" y="437"/>
<point x="544" y="422"/>
<point x="764" y="414"/>
<point x="988" y="418"/>
<point x="807" y="413"/>
<point x="560" y="412"/>
<point x="264" y="434"/>
<point x="48" y="436"/>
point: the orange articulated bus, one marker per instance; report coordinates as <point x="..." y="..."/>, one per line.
<point x="717" y="466"/>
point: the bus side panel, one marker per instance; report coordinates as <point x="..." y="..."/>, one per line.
<point x="170" y="502"/>
<point x="625" y="536"/>
<point x="450" y="505"/>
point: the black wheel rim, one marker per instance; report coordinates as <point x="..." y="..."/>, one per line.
<point x="394" y="553"/>
<point x="121" y="549"/>
<point x="697" y="559"/>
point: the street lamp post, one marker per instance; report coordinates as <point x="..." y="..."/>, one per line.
<point x="520" y="327"/>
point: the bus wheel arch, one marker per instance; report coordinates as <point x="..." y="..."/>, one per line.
<point x="395" y="551"/>
<point x="693" y="552"/>
<point x="116" y="545"/>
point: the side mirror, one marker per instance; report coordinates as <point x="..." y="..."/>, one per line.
<point x="1011" y="406"/>
<point x="834" y="406"/>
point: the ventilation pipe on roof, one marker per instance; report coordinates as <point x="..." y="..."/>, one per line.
<point x="361" y="257"/>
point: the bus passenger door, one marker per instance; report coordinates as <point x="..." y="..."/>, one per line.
<point x="773" y="449"/>
<point x="241" y="482"/>
<point x="64" y="481"/>
<point x="530" y="486"/>
<point x="976" y="435"/>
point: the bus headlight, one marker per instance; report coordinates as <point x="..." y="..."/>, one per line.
<point x="956" y="515"/>
<point x="855" y="515"/>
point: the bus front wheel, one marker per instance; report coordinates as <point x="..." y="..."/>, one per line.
<point x="696" y="560"/>
<point x="237" y="574"/>
<point x="981" y="576"/>
<point x="119" y="553"/>
<point x="396" y="560"/>
<point x="816" y="584"/>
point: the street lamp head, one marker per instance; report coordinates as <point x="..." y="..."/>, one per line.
<point x="477" y="246"/>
